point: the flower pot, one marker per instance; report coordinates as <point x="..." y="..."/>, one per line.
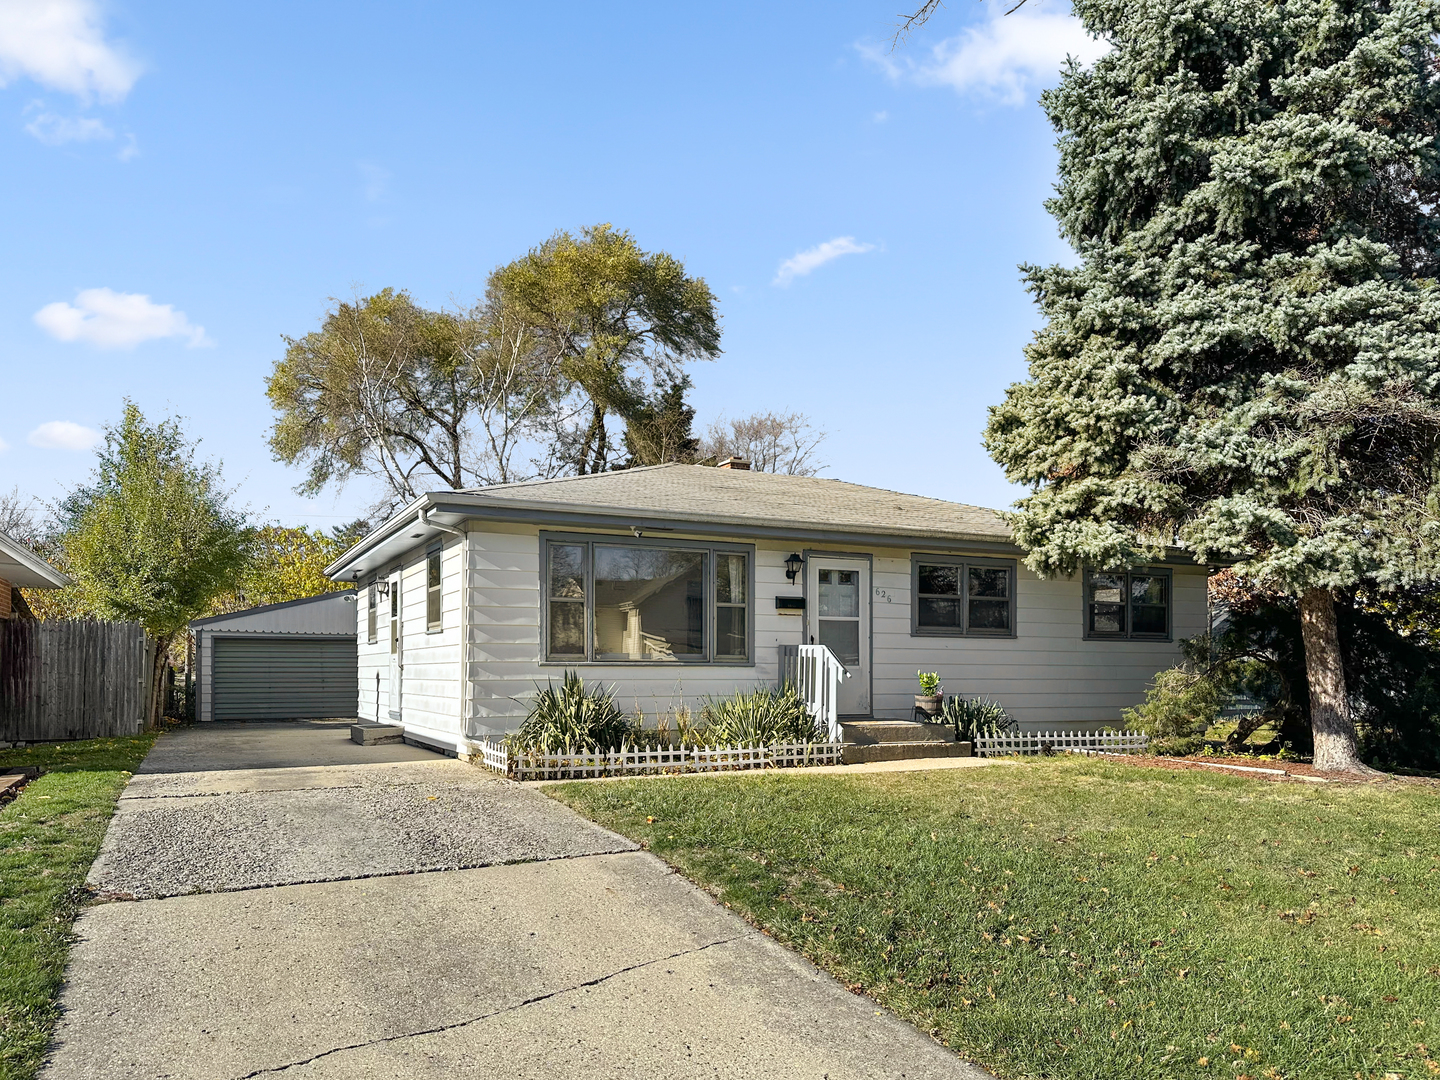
<point x="929" y="704"/>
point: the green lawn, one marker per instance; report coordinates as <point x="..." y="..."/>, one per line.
<point x="1070" y="918"/>
<point x="48" y="838"/>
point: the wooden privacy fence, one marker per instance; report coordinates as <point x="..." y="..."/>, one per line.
<point x="1047" y="742"/>
<point x="576" y="764"/>
<point x="73" y="680"/>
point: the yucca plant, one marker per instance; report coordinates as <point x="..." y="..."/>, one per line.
<point x="761" y="717"/>
<point x="574" y="715"/>
<point x="974" y="717"/>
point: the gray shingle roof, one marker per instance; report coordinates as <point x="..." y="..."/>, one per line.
<point x="703" y="494"/>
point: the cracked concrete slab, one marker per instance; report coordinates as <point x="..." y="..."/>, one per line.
<point x="606" y="966"/>
<point x="383" y="824"/>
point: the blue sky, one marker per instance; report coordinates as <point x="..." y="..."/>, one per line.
<point x="184" y="184"/>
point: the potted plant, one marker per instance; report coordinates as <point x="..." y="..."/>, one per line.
<point x="931" y="695"/>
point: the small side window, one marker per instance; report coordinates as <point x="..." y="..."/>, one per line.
<point x="1125" y="605"/>
<point x="372" y="615"/>
<point x="432" y="591"/>
<point x="954" y="595"/>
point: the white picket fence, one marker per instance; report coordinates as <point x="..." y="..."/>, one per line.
<point x="634" y="761"/>
<point x="1045" y="742"/>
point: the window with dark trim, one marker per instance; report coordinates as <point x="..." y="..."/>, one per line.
<point x="432" y="590"/>
<point x="617" y="601"/>
<point x="1127" y="604"/>
<point x="372" y="615"/>
<point x="958" y="595"/>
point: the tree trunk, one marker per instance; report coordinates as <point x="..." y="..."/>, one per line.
<point x="1336" y="748"/>
<point x="157" y="678"/>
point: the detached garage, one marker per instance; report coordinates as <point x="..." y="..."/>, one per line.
<point x="294" y="661"/>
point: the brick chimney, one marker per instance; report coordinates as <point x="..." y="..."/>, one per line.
<point x="734" y="463"/>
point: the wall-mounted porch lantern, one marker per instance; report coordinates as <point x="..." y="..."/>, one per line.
<point x="793" y="566"/>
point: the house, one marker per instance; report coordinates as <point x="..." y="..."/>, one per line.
<point x="289" y="661"/>
<point x="679" y="581"/>
<point x="21" y="568"/>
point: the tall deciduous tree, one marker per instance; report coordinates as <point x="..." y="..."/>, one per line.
<point x="285" y="564"/>
<point x="389" y="389"/>
<point x="620" y="322"/>
<point x="772" y="442"/>
<point x="152" y="538"/>
<point x="1245" y="359"/>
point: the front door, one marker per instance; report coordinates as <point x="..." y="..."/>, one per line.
<point x="840" y="619"/>
<point x="397" y="648"/>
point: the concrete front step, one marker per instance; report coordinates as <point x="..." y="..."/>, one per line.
<point x="370" y="732"/>
<point x="854" y="754"/>
<point x="870" y="732"/>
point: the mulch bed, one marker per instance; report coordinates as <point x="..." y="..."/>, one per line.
<point x="1264" y="769"/>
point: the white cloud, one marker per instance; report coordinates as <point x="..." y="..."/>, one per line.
<point x="880" y="117"/>
<point x="61" y="44"/>
<point x="803" y="262"/>
<point x="1006" y="57"/>
<point x="4" y="446"/>
<point x="54" y="130"/>
<point x="130" y="150"/>
<point x="63" y="435"/>
<point x="111" y="320"/>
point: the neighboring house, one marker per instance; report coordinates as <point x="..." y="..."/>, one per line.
<point x="679" y="581"/>
<point x="289" y="661"/>
<point x="21" y="568"/>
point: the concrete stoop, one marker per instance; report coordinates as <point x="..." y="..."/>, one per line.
<point x="371" y="732"/>
<point x="899" y="740"/>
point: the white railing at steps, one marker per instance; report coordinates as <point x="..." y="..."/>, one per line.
<point x="815" y="672"/>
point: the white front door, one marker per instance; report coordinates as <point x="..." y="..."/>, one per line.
<point x="839" y="617"/>
<point x="397" y="647"/>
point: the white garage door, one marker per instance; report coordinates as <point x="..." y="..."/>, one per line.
<point x="284" y="678"/>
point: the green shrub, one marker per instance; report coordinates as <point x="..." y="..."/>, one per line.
<point x="760" y="717"/>
<point x="929" y="682"/>
<point x="585" y="718"/>
<point x="1180" y="706"/>
<point x="975" y="716"/>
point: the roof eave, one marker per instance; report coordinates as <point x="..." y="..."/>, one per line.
<point x="45" y="575"/>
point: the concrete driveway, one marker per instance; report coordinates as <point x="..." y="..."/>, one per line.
<point x="287" y="902"/>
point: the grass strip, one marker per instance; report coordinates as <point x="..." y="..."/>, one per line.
<point x="49" y="836"/>
<point x="1073" y="918"/>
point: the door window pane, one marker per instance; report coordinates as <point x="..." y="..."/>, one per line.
<point x="839" y="593"/>
<point x="649" y="603"/>
<point x="842" y="636"/>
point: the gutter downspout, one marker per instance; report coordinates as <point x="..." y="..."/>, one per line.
<point x="464" y="650"/>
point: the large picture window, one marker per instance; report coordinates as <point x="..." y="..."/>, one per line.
<point x="956" y="595"/>
<point x="1127" y="604"/>
<point x="614" y="602"/>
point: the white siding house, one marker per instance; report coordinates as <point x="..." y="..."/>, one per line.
<point x="672" y="584"/>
